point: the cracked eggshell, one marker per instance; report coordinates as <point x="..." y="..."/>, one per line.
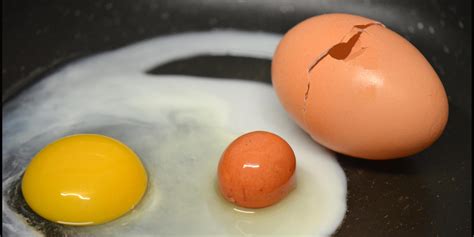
<point x="377" y="98"/>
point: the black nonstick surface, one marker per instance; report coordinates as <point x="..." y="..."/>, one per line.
<point x="428" y="194"/>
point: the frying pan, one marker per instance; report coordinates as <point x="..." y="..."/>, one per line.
<point x="428" y="194"/>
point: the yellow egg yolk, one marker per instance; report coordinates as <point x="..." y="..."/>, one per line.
<point x="84" y="179"/>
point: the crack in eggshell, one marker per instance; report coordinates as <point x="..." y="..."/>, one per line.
<point x="342" y="49"/>
<point x="339" y="51"/>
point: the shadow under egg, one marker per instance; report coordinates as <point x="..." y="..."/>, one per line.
<point x="16" y="201"/>
<point x="281" y="218"/>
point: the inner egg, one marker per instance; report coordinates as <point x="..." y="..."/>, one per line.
<point x="257" y="170"/>
<point x="84" y="179"/>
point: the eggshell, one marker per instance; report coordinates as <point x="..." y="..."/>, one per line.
<point x="359" y="88"/>
<point x="257" y="170"/>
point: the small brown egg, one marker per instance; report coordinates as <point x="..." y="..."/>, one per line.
<point x="257" y="170"/>
<point x="359" y="88"/>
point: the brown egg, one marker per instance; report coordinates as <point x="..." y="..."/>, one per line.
<point x="257" y="170"/>
<point x="359" y="88"/>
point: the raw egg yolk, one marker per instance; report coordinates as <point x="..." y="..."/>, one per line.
<point x="84" y="179"/>
<point x="257" y="170"/>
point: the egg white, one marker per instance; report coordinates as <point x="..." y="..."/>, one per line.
<point x="179" y="126"/>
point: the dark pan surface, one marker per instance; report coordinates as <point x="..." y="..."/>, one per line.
<point x="428" y="194"/>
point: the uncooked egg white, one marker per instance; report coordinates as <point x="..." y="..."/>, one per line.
<point x="178" y="126"/>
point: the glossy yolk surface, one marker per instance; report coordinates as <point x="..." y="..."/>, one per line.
<point x="83" y="180"/>
<point x="257" y="170"/>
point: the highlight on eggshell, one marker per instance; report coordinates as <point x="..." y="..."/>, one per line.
<point x="359" y="88"/>
<point x="84" y="179"/>
<point x="257" y="170"/>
